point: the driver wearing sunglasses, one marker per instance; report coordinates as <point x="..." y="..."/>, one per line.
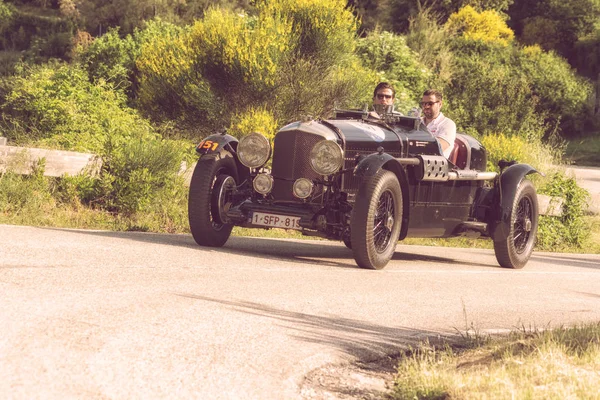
<point x="383" y="99"/>
<point x="442" y="127"/>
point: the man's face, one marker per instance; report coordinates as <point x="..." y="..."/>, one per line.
<point x="431" y="106"/>
<point x="384" y="96"/>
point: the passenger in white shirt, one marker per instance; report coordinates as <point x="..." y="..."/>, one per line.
<point x="442" y="127"/>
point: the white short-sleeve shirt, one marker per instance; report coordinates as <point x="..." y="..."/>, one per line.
<point x="445" y="129"/>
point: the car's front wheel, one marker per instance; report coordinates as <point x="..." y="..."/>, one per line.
<point x="376" y="220"/>
<point x="515" y="250"/>
<point x="211" y="182"/>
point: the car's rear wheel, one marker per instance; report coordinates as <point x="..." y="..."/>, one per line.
<point x="376" y="220"/>
<point x="210" y="185"/>
<point x="515" y="250"/>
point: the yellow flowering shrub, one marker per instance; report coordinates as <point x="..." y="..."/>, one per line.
<point x="168" y="83"/>
<point x="290" y="57"/>
<point x="486" y="26"/>
<point x="254" y="120"/>
<point x="324" y="26"/>
<point x="241" y="46"/>
<point x="503" y="147"/>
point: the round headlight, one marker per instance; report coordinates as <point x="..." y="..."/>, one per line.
<point x="263" y="183"/>
<point x="302" y="188"/>
<point x="326" y="157"/>
<point x="254" y="150"/>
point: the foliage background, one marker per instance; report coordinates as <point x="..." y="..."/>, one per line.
<point x="139" y="82"/>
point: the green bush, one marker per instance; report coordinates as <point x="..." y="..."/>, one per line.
<point x="488" y="94"/>
<point x="135" y="171"/>
<point x="74" y="191"/>
<point x="570" y="228"/>
<point x="396" y="63"/>
<point x="562" y="94"/>
<point x="491" y="84"/>
<point x="8" y="62"/>
<point x="555" y="232"/>
<point x="109" y="58"/>
<point x="56" y="106"/>
<point x="22" y="194"/>
<point x="431" y="42"/>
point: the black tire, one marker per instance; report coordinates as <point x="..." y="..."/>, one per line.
<point x="376" y="220"/>
<point x="203" y="202"/>
<point x="515" y="250"/>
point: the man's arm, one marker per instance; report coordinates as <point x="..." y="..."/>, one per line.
<point x="446" y="136"/>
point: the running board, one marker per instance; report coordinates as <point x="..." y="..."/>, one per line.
<point x="472" y="229"/>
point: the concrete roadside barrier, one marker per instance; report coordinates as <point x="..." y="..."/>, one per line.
<point x="187" y="171"/>
<point x="551" y="206"/>
<point x="22" y="160"/>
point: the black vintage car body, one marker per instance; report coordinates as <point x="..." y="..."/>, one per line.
<point x="366" y="181"/>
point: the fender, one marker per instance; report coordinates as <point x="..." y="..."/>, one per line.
<point x="508" y="183"/>
<point x="216" y="144"/>
<point x="219" y="146"/>
<point x="369" y="165"/>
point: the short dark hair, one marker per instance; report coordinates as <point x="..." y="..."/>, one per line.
<point x="433" y="92"/>
<point x="384" y="85"/>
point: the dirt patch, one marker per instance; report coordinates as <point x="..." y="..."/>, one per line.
<point x="372" y="380"/>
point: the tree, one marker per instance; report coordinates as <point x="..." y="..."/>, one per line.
<point x="98" y="16"/>
<point x="555" y="24"/>
<point x="372" y="14"/>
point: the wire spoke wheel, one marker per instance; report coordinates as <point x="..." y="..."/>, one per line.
<point x="523" y="224"/>
<point x="384" y="220"/>
<point x="514" y="250"/>
<point x="376" y="220"/>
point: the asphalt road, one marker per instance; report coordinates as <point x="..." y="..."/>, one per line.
<point x="92" y="314"/>
<point x="589" y="179"/>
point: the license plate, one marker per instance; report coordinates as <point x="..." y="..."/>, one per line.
<point x="275" y="220"/>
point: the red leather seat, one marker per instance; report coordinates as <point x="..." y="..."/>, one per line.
<point x="461" y="153"/>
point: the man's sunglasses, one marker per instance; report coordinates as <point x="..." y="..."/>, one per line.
<point x="428" y="103"/>
<point x="383" y="96"/>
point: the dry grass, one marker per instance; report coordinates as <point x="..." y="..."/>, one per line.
<point x="563" y="363"/>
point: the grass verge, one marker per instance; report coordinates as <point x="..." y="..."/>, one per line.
<point x="584" y="151"/>
<point x="561" y="363"/>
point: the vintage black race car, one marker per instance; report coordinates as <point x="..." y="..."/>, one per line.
<point x="366" y="181"/>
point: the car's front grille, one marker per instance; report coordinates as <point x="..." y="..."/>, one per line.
<point x="350" y="182"/>
<point x="291" y="160"/>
